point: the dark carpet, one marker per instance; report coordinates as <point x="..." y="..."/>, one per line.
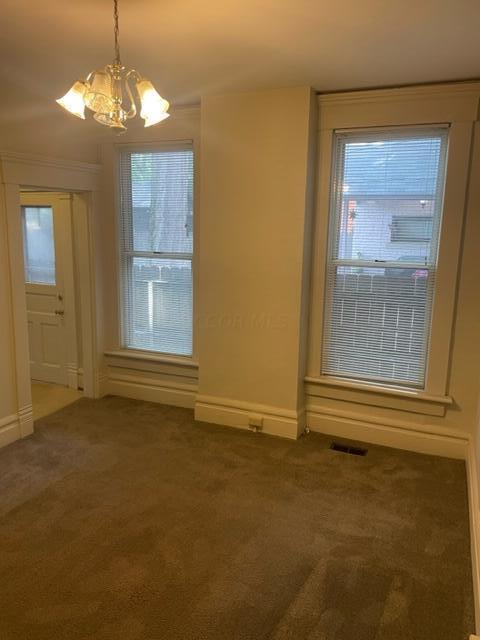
<point x="125" y="520"/>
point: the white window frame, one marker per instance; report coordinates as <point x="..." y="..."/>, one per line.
<point x="331" y="259"/>
<point x="180" y="145"/>
<point x="387" y="109"/>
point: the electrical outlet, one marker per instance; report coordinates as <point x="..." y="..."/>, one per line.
<point x="255" y="421"/>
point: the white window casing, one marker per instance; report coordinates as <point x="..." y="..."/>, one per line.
<point x="394" y="113"/>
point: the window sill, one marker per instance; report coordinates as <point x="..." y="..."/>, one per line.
<point x="146" y="356"/>
<point x="378" y="388"/>
<point x="377" y="395"/>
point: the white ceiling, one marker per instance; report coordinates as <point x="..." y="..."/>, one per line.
<point x="189" y="48"/>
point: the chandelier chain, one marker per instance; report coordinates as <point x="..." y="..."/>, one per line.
<point x="116" y="31"/>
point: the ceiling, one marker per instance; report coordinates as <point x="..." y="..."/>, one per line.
<point x="190" y="48"/>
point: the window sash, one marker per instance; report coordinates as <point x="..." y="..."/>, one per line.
<point x="128" y="254"/>
<point x="386" y="333"/>
<point x="428" y="267"/>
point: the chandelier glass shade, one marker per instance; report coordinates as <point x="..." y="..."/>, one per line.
<point x="109" y="94"/>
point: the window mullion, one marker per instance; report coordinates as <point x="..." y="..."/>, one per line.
<point x="159" y="255"/>
<point x="380" y="264"/>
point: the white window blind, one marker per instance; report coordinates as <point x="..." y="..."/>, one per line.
<point x="156" y="249"/>
<point x="385" y="222"/>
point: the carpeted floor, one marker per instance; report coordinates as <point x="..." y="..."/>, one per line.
<point x="124" y="520"/>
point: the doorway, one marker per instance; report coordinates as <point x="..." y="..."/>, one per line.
<point x="52" y="301"/>
<point x="20" y="173"/>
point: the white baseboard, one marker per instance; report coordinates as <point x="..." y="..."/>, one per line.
<point x="474" y="514"/>
<point x="101" y="384"/>
<point x="25" y="419"/>
<point x="275" y="421"/>
<point x="16" y="426"/>
<point x="430" y="440"/>
<point x="9" y="430"/>
<point x="151" y="389"/>
<point x="72" y="376"/>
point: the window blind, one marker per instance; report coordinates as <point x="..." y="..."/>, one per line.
<point x="385" y="222"/>
<point x="156" y="249"/>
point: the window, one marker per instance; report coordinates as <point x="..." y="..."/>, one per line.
<point x="411" y="228"/>
<point x="385" y="221"/>
<point x="39" y="245"/>
<point x="156" y="208"/>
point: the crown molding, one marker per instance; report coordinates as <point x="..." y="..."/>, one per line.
<point x="450" y="90"/>
<point x="185" y="111"/>
<point x="15" y="157"/>
<point x="426" y="104"/>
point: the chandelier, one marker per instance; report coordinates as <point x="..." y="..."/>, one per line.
<point x="103" y="93"/>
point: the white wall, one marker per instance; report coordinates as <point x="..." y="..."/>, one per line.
<point x="254" y="214"/>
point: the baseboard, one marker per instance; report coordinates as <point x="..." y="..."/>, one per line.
<point x="72" y="376"/>
<point x="101" y="384"/>
<point x="17" y="426"/>
<point x="429" y="440"/>
<point x="9" y="430"/>
<point x="275" y="421"/>
<point x="151" y="390"/>
<point x="25" y="419"/>
<point x="474" y="514"/>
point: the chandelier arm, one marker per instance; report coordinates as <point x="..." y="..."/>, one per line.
<point x="95" y="71"/>
<point x="132" y="112"/>
<point x="133" y="73"/>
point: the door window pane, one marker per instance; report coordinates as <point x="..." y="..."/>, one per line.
<point x="39" y="245"/>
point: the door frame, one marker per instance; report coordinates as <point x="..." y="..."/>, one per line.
<point x="65" y="253"/>
<point x="83" y="181"/>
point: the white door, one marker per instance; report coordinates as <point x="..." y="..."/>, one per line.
<point x="46" y="222"/>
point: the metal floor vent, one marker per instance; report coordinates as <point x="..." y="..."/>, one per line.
<point x="354" y="451"/>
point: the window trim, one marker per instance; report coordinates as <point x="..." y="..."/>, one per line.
<point x="125" y="256"/>
<point x="388" y="110"/>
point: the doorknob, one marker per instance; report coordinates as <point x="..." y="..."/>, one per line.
<point x="59" y="312"/>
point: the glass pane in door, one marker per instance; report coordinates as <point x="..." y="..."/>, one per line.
<point x="39" y="245"/>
